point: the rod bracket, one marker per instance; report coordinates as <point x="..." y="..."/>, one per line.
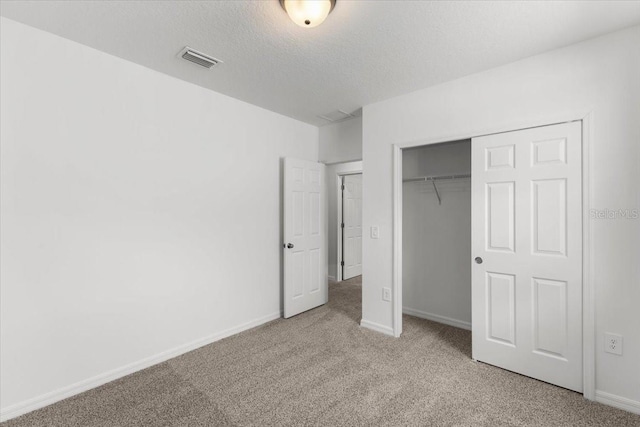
<point x="433" y="181"/>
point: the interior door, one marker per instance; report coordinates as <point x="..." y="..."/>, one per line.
<point x="352" y="226"/>
<point x="305" y="236"/>
<point x="527" y="245"/>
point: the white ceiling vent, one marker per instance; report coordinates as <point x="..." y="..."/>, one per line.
<point x="336" y="116"/>
<point x="199" y="58"/>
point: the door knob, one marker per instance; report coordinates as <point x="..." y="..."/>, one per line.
<point x="478" y="260"/>
<point x="289" y="245"/>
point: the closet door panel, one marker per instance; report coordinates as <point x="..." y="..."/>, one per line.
<point x="352" y="226"/>
<point x="527" y="252"/>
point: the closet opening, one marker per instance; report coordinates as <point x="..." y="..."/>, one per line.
<point x="436" y="232"/>
<point x="500" y="252"/>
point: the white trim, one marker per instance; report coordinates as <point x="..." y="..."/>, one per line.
<point x="332" y="279"/>
<point x="500" y="128"/>
<point x="98" y="380"/>
<point x="618" y="401"/>
<point x="437" y="318"/>
<point x="588" y="288"/>
<point x="339" y="227"/>
<point x="376" y="327"/>
<point x="396" y="289"/>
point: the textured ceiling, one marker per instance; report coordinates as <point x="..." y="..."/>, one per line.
<point x="366" y="51"/>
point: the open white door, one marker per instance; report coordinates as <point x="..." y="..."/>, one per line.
<point x="305" y="237"/>
<point x="527" y="245"/>
<point x="352" y="226"/>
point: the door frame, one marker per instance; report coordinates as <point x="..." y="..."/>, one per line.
<point x="338" y="179"/>
<point x="586" y="116"/>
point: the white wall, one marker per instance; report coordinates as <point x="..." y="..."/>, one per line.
<point x="342" y="141"/>
<point x="436" y="238"/>
<point x="340" y="146"/>
<point x="451" y="158"/>
<point x="599" y="75"/>
<point x="140" y="215"/>
<point x="332" y="174"/>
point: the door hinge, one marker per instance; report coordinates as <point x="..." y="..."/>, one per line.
<point x="342" y="187"/>
<point x="342" y="225"/>
<point x="341" y="263"/>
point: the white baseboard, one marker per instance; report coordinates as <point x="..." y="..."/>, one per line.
<point x="618" y="402"/>
<point x="332" y="279"/>
<point x="437" y="318"/>
<point x="376" y="327"/>
<point x="98" y="380"/>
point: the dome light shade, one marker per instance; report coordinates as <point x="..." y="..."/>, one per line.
<point x="308" y="13"/>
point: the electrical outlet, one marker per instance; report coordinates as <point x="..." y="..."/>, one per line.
<point x="386" y="294"/>
<point x="613" y="343"/>
<point x="375" y="232"/>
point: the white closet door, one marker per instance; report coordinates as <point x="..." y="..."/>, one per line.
<point x="352" y="230"/>
<point x="527" y="237"/>
<point x="305" y="237"/>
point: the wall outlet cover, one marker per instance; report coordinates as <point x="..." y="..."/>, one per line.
<point x="375" y="232"/>
<point x="386" y="294"/>
<point x="613" y="343"/>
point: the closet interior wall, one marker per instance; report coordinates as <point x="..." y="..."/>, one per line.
<point x="436" y="238"/>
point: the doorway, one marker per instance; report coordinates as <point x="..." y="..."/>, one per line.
<point x="335" y="174"/>
<point x="526" y="258"/>
<point x="341" y="291"/>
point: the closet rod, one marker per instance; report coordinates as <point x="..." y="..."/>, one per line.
<point x="436" y="178"/>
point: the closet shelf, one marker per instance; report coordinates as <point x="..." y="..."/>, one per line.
<point x="435" y="178"/>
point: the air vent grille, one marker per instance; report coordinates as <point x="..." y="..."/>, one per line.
<point x="199" y="58"/>
<point x="336" y="116"/>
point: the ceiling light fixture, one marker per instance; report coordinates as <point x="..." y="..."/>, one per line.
<point x="308" y="13"/>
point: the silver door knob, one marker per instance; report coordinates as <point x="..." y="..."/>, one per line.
<point x="478" y="260"/>
<point x="290" y="245"/>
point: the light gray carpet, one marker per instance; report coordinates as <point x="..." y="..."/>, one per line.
<point x="321" y="368"/>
